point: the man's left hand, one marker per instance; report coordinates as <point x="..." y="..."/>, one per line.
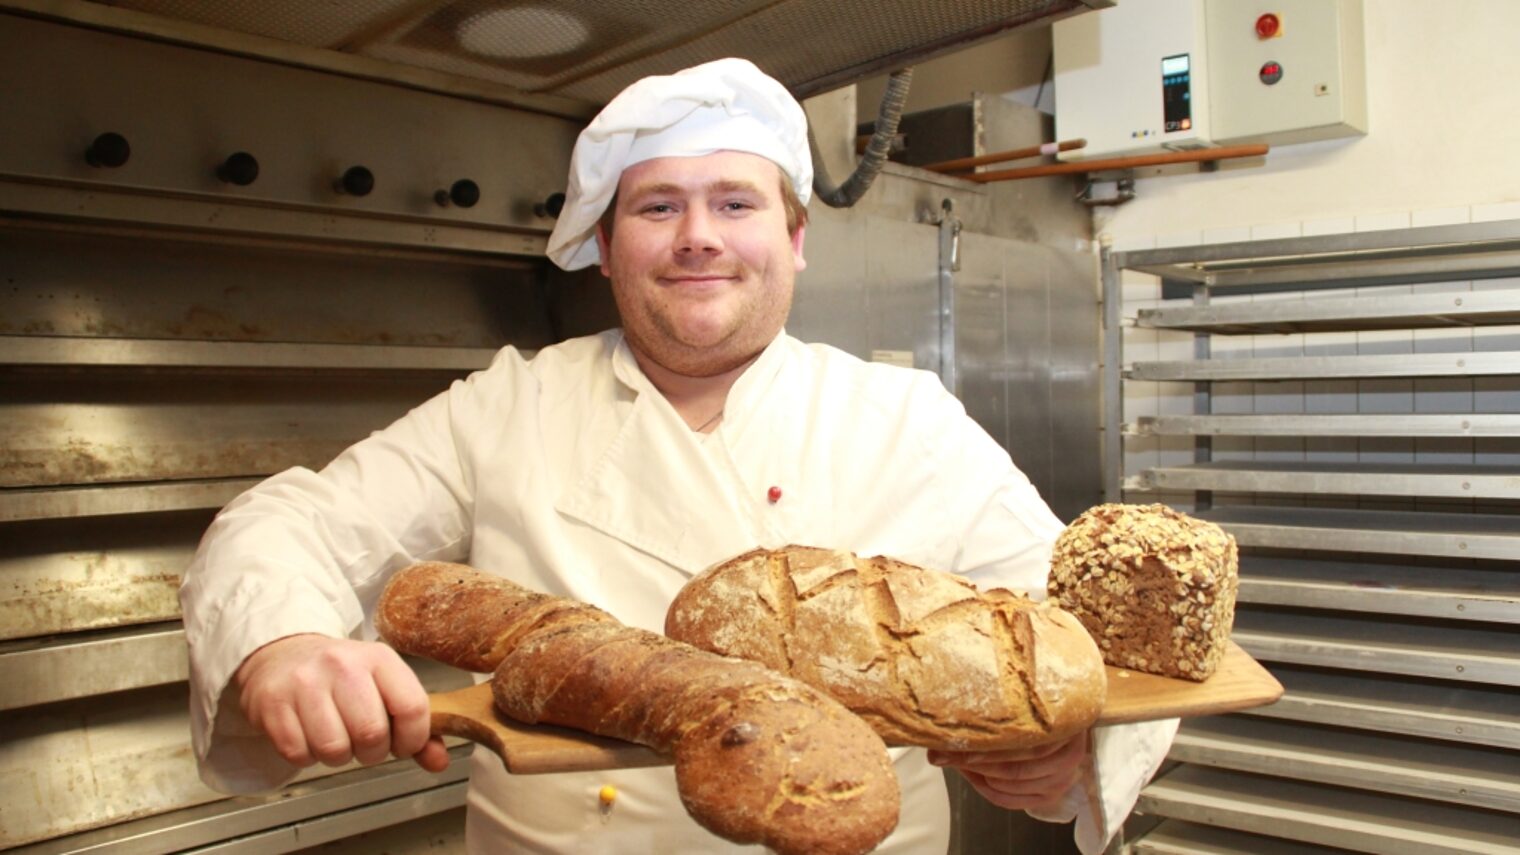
<point x="1021" y="779"/>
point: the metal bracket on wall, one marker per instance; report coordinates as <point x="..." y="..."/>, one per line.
<point x="1123" y="190"/>
<point x="949" y="263"/>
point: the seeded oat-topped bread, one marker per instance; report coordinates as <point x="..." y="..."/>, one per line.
<point x="1154" y="587"/>
<point x="922" y="655"/>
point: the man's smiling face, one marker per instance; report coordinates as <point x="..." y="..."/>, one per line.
<point x="701" y="263"/>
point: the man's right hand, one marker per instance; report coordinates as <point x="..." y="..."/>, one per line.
<point x="333" y="700"/>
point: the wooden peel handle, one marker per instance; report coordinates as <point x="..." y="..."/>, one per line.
<point x="1239" y="683"/>
<point x="470" y="713"/>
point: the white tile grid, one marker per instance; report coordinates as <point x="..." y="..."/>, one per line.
<point x="1140" y="396"/>
<point x="1136" y="288"/>
<point x="1382" y="221"/>
<point x="1232" y="234"/>
<point x="1441" y="216"/>
<point x="1443" y="394"/>
<point x="1484" y="394"/>
<point x="1390" y="395"/>
<point x="1328" y="226"/>
<point x="1330" y="396"/>
<point x="1285" y="397"/>
<point x="1174" y="398"/>
<point x="1336" y="395"/>
<point x="1497" y="394"/>
<point x="1496" y="211"/>
<point x="1385" y="395"/>
<point x="1132" y="243"/>
<point x="1178" y="239"/>
<point x="1275" y="231"/>
<point x="1232" y="398"/>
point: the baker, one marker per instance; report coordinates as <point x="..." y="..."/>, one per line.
<point x="613" y="468"/>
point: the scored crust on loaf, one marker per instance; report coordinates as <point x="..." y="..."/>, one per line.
<point x="469" y="620"/>
<point x="921" y="655"/>
<point x="1155" y="587"/>
<point x="759" y="757"/>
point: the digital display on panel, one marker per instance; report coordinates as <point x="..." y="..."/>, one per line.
<point x="1176" y="93"/>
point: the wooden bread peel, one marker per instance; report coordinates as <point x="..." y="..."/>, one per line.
<point x="1239" y="683"/>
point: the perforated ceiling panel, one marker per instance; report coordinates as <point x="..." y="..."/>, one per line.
<point x="589" y="49"/>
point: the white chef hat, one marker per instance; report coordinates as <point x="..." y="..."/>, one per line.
<point x="727" y="104"/>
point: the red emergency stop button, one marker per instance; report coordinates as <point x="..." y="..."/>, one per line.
<point x="1268" y="26"/>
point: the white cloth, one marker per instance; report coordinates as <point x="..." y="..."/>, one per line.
<point x="571" y="474"/>
<point x="724" y="105"/>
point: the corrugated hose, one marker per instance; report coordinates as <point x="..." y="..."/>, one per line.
<point x="876" y="152"/>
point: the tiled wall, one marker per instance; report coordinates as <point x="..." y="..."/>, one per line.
<point x="1419" y="395"/>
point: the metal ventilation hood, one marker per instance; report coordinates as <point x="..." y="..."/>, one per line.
<point x="582" y="52"/>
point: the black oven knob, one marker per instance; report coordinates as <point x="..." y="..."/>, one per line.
<point x="240" y="168"/>
<point x="356" y="181"/>
<point x="551" y="206"/>
<point x="464" y="193"/>
<point x="108" y="150"/>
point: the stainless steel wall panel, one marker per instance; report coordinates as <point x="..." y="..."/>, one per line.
<point x="1467" y="713"/>
<point x="1075" y="382"/>
<point x="1392" y="311"/>
<point x="77" y="284"/>
<point x="69" y="767"/>
<point x="145" y="428"/>
<point x="123" y="210"/>
<point x="1317" y="367"/>
<point x="332" y="827"/>
<point x="984" y="311"/>
<point x="832" y="299"/>
<point x="26" y="505"/>
<point x="1175" y="837"/>
<point x="1481" y="777"/>
<point x="185" y="110"/>
<point x="1327" y="815"/>
<point x="1444" y="535"/>
<point x="34" y="673"/>
<point x="1026" y="369"/>
<point x="1025" y="325"/>
<point x="1479" y="653"/>
<point x="1027" y="321"/>
<point x="1452" y="481"/>
<point x="61" y="576"/>
<point x="1341" y="425"/>
<point x="869" y="285"/>
<point x="901" y="275"/>
<point x="84" y="352"/>
<point x="1452" y="592"/>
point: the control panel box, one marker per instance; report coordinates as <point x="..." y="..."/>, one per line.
<point x="1133" y="78"/>
<point x="1286" y="71"/>
<point x="1155" y="75"/>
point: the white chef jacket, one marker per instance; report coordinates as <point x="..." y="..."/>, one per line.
<point x="571" y="474"/>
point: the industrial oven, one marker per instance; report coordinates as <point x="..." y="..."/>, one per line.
<point x="236" y="238"/>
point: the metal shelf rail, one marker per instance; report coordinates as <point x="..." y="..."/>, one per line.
<point x="1381" y="585"/>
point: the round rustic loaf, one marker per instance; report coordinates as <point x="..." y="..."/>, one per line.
<point x="922" y="655"/>
<point x="1155" y="587"/>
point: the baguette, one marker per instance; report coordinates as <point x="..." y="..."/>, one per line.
<point x="921" y="655"/>
<point x="759" y="758"/>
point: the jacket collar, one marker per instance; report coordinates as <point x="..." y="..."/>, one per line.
<point x="657" y="489"/>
